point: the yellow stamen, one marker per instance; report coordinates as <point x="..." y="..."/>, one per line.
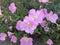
<point x="50" y="17"/>
<point x="26" y="39"/>
<point x="35" y="17"/>
<point x="43" y="0"/>
<point x="28" y="24"/>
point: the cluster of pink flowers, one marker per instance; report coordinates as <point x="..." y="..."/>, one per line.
<point x="12" y="37"/>
<point x="34" y="18"/>
<point x="30" y="23"/>
<point x="24" y="40"/>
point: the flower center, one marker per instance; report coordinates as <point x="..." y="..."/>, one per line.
<point x="43" y="0"/>
<point x="28" y="24"/>
<point x="50" y="17"/>
<point x="14" y="7"/>
<point x="35" y="17"/>
<point x="26" y="39"/>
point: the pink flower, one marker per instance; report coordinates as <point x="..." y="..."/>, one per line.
<point x="6" y="21"/>
<point x="12" y="7"/>
<point x="11" y="28"/>
<point x="43" y="24"/>
<point x="52" y="17"/>
<point x="46" y="29"/>
<point x="9" y="34"/>
<point x="43" y="1"/>
<point x="13" y="39"/>
<point x="30" y="25"/>
<point x="3" y="36"/>
<point x="37" y="16"/>
<point x="49" y="42"/>
<point x="20" y="25"/>
<point x="26" y="41"/>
